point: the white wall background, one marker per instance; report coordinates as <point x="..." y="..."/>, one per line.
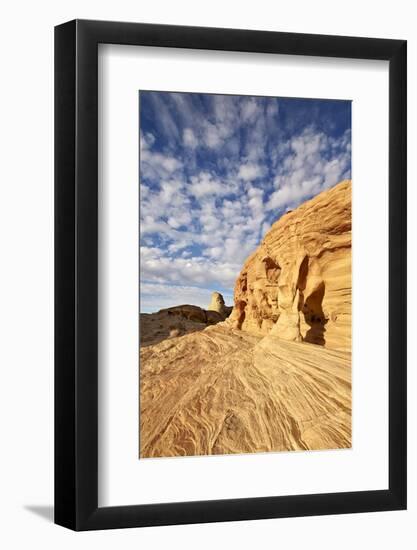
<point x="26" y="272"/>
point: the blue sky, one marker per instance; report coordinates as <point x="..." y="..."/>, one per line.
<point x="215" y="172"/>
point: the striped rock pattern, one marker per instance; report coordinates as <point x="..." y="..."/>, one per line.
<point x="297" y="284"/>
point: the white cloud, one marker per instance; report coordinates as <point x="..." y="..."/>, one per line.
<point x="160" y="163"/>
<point x="256" y="204"/>
<point x="226" y="111"/>
<point x="185" y="110"/>
<point x="155" y="165"/>
<point x="180" y="219"/>
<point x="155" y="265"/>
<point x="189" y="138"/>
<point x="250" y="110"/>
<point x="293" y="194"/>
<point x="212" y="136"/>
<point x="272" y="109"/>
<point x="150" y="225"/>
<point x="250" y="171"/>
<point x="306" y="171"/>
<point x="165" y="210"/>
<point x="165" y="121"/>
<point x="147" y="140"/>
<point x="169" y="190"/>
<point x="204" y="184"/>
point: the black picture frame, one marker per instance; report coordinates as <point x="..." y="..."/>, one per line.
<point x="76" y="272"/>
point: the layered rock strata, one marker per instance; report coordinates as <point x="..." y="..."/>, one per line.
<point x="297" y="284"/>
<point x="222" y="391"/>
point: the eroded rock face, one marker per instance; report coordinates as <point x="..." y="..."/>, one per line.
<point x="297" y="284"/>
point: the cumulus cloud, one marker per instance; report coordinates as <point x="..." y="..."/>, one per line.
<point x="189" y="138"/>
<point x="216" y="134"/>
<point x="314" y="163"/>
<point x="181" y="218"/>
<point x="155" y="164"/>
<point x="158" y="266"/>
<point x="205" y="184"/>
<point x="250" y="110"/>
<point x="250" y="171"/>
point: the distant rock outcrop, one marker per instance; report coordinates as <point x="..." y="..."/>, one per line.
<point x="297" y="284"/>
<point x="217" y="304"/>
<point x="193" y="313"/>
<point x="180" y="320"/>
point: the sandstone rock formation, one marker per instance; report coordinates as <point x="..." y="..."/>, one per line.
<point x="297" y="284"/>
<point x="175" y="321"/>
<point x="276" y="374"/>
<point x="193" y="313"/>
<point x="222" y="391"/>
<point x="217" y="304"/>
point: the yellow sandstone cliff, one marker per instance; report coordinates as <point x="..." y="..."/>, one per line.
<point x="297" y="284"/>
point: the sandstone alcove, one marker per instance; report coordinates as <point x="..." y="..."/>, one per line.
<point x="314" y="317"/>
<point x="302" y="274"/>
<point x="272" y="270"/>
<point x="241" y="314"/>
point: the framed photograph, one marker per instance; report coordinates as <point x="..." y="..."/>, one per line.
<point x="230" y="254"/>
